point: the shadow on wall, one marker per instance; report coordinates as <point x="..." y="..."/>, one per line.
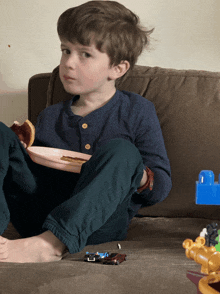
<point x="13" y="106"/>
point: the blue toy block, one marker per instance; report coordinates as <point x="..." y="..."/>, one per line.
<point x="207" y="191"/>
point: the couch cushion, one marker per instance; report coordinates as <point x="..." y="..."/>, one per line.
<point x="156" y="263"/>
<point x="188" y="107"/>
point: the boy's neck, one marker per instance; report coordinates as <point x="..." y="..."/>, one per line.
<point x="94" y="100"/>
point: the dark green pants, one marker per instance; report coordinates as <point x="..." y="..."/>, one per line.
<point x="92" y="207"/>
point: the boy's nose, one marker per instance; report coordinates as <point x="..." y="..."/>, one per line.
<point x="71" y="62"/>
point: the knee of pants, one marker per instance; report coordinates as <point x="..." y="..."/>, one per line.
<point x="5" y="134"/>
<point x="3" y="127"/>
<point x="6" y="131"/>
<point x="119" y="147"/>
<point x="117" y="155"/>
<point x="7" y="137"/>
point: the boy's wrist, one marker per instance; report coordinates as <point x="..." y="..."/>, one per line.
<point x="149" y="182"/>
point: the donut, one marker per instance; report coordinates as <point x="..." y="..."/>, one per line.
<point x="25" y="132"/>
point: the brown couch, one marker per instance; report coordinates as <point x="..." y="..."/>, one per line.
<point x="188" y="107"/>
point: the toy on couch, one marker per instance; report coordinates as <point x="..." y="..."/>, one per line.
<point x="114" y="258"/>
<point x="205" y="249"/>
<point x="96" y="256"/>
<point x="208" y="281"/>
<point x="207" y="190"/>
<point x="208" y="193"/>
<point x="106" y="258"/>
<point x="210" y="233"/>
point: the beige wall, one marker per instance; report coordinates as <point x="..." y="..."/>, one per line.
<point x="187" y="36"/>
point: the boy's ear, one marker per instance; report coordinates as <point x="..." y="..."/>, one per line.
<point x="120" y="69"/>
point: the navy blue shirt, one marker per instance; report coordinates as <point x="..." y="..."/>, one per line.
<point x="126" y="115"/>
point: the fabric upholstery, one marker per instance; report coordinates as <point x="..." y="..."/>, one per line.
<point x="156" y="264"/>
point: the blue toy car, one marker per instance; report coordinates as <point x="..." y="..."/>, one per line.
<point x="95" y="257"/>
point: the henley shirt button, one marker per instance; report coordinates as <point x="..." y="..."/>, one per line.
<point x="87" y="146"/>
<point x="84" y="126"/>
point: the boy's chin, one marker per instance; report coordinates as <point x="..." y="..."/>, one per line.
<point x="70" y="91"/>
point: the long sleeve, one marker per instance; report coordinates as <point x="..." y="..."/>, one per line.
<point x="149" y="140"/>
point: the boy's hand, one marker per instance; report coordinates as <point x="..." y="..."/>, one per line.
<point x="144" y="179"/>
<point x="24" y="144"/>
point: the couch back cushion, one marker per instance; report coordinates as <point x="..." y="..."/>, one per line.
<point x="188" y="107"/>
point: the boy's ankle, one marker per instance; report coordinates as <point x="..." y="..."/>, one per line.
<point x="52" y="241"/>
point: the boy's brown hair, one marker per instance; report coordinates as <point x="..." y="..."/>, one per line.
<point x="111" y="26"/>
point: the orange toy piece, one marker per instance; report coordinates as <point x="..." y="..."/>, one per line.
<point x="209" y="284"/>
<point x="208" y="257"/>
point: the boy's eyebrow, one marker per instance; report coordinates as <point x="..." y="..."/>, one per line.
<point x="79" y="45"/>
<point x="63" y="45"/>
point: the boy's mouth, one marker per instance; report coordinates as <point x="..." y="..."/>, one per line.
<point x="67" y="78"/>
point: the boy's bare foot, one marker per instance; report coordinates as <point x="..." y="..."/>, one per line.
<point x="45" y="247"/>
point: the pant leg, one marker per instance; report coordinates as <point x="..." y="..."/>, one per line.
<point x="4" y="163"/>
<point x="16" y="179"/>
<point x="28" y="191"/>
<point x="105" y="186"/>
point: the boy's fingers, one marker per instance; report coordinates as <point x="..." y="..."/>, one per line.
<point x="24" y="144"/>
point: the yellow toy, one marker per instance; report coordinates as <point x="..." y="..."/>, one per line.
<point x="209" y="259"/>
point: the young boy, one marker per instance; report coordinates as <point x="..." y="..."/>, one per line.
<point x="54" y="210"/>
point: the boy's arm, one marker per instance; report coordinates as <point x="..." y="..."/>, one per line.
<point x="150" y="143"/>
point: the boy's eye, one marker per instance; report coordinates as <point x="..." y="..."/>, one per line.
<point x="65" y="51"/>
<point x="86" y="55"/>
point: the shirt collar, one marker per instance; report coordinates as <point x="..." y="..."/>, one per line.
<point x="106" y="107"/>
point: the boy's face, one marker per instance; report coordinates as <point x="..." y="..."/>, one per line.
<point x="84" y="69"/>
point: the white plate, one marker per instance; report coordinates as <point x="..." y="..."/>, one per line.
<point x="50" y="157"/>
